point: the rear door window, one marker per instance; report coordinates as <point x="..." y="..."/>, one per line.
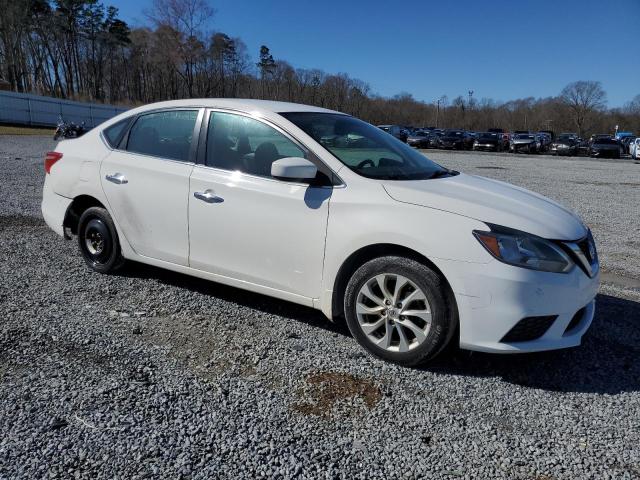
<point x="167" y="134"/>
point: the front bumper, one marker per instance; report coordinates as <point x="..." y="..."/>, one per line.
<point x="485" y="146"/>
<point x="605" y="153"/>
<point x="492" y="298"/>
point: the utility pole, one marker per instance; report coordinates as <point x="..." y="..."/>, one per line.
<point x="438" y="109"/>
<point x="470" y="107"/>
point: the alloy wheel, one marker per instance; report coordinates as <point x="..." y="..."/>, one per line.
<point x="393" y="312"/>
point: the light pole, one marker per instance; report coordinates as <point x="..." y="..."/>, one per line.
<point x="470" y="107"/>
<point x="441" y="99"/>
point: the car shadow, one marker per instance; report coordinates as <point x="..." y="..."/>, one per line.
<point x="608" y="361"/>
<point x="255" y="301"/>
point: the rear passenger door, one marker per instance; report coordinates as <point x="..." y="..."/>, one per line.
<point x="146" y="181"/>
<point x="248" y="226"/>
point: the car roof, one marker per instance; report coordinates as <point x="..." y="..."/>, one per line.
<point x="241" y="104"/>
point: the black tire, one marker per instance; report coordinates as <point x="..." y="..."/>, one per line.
<point x="444" y="317"/>
<point x="104" y="254"/>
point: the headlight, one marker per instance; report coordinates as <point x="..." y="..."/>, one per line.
<point x="475" y="142"/>
<point x="524" y="250"/>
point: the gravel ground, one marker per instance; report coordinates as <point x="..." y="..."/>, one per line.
<point x="151" y="374"/>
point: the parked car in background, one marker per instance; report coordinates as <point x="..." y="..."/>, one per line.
<point x="634" y="148"/>
<point x="434" y="139"/>
<point x="524" y="142"/>
<point x="419" y="139"/>
<point x="620" y="135"/>
<point x="626" y="143"/>
<point x="564" y="146"/>
<point x="605" y="147"/>
<point x="241" y="192"/>
<point x="455" y="140"/>
<point x="491" y="141"/>
<point x="597" y="136"/>
<point x="582" y="147"/>
<point x="550" y="133"/>
<point x="395" y="130"/>
<point x="573" y="136"/>
<point x="544" y="139"/>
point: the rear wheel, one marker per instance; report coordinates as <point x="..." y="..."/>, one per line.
<point x="98" y="240"/>
<point x="397" y="308"/>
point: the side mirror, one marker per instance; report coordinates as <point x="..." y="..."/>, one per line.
<point x="294" y="168"/>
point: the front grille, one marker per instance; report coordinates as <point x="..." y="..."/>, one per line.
<point x="575" y="321"/>
<point x="529" y="328"/>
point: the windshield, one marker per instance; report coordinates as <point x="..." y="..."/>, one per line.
<point x="488" y="136"/>
<point x="453" y="133"/>
<point x="605" y="141"/>
<point x="365" y="149"/>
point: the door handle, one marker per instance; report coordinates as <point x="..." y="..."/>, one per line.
<point x="208" y="196"/>
<point x="117" y="178"/>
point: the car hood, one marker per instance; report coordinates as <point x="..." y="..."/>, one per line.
<point x="487" y="140"/>
<point x="491" y="201"/>
<point x="523" y="140"/>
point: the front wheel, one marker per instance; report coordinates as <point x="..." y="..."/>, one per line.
<point x="98" y="240"/>
<point x="398" y="309"/>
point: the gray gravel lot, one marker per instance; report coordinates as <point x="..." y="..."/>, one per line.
<point x="151" y="374"/>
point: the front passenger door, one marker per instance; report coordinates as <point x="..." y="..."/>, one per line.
<point x="248" y="226"/>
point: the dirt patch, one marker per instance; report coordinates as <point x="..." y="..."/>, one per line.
<point x="20" y="221"/>
<point x="208" y="350"/>
<point x="323" y="390"/>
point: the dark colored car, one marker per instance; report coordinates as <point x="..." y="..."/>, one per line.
<point x="564" y="146"/>
<point x="419" y="139"/>
<point x="455" y="140"/>
<point x="395" y="130"/>
<point x="599" y="136"/>
<point x="524" y="142"/>
<point x="434" y="139"/>
<point x="491" y="141"/>
<point x="604" y="147"/>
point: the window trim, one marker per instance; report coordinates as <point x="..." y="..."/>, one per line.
<point x="202" y="148"/>
<point x="193" y="148"/>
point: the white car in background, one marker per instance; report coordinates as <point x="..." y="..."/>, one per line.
<point x="634" y="148"/>
<point x="246" y="193"/>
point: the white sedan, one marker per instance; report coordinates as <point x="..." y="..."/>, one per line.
<point x="634" y="148"/>
<point x="319" y="208"/>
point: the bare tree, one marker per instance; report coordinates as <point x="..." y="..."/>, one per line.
<point x="583" y="98"/>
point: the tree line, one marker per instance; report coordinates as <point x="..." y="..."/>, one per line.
<point x="81" y="49"/>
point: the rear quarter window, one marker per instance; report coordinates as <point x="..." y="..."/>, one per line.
<point x="113" y="134"/>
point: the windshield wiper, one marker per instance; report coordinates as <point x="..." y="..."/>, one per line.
<point x="444" y="173"/>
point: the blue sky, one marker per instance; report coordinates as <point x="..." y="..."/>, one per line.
<point x="501" y="50"/>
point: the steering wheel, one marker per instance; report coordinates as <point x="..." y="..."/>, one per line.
<point x="368" y="161"/>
